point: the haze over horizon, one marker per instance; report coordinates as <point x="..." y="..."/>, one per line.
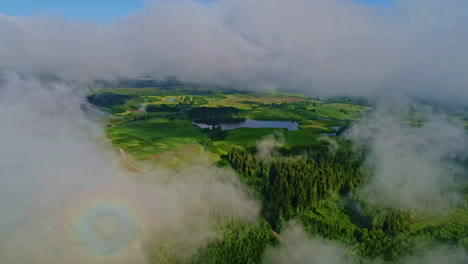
<point x="353" y="48"/>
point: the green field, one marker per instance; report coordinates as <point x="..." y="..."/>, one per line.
<point x="243" y="137"/>
<point x="158" y="135"/>
<point x="146" y="134"/>
<point x="154" y="136"/>
<point x="459" y="217"/>
<point x="169" y="139"/>
<point x="272" y="113"/>
<point x="253" y="100"/>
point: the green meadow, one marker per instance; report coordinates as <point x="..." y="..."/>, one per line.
<point x="154" y="136"/>
<point x="147" y="134"/>
<point x="157" y="137"/>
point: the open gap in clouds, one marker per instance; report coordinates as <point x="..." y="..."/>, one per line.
<point x="325" y="47"/>
<point x="60" y="181"/>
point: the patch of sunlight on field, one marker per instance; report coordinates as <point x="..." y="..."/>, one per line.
<point x="340" y="111"/>
<point x="280" y="114"/>
<point x="458" y="217"/>
<point x="244" y="137"/>
<point x="252" y="100"/>
<point x="154" y="136"/>
<point x="319" y="126"/>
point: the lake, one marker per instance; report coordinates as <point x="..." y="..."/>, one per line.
<point x="289" y="125"/>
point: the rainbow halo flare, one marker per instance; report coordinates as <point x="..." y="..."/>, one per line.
<point x="104" y="222"/>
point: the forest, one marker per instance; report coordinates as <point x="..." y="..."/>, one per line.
<point x="314" y="184"/>
<point x="218" y="113"/>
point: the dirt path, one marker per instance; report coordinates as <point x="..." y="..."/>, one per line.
<point x="127" y="162"/>
<point x="275" y="234"/>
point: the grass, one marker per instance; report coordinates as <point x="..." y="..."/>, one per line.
<point x="340" y="111"/>
<point x="253" y="103"/>
<point x="299" y="137"/>
<point x="161" y="135"/>
<point x="250" y="101"/>
<point x="458" y="217"/>
<point x="150" y="137"/>
<point x="164" y="134"/>
<point x="154" y="136"/>
<point x="320" y="126"/>
<point x="122" y="118"/>
<point x="330" y="111"/>
<point x="278" y="114"/>
<point x="243" y="137"/>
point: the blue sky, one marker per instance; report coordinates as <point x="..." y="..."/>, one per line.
<point x="98" y="10"/>
<point x="92" y="10"/>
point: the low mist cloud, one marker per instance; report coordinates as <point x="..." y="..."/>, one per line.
<point x="409" y="165"/>
<point x="439" y="255"/>
<point x="297" y="247"/>
<point x="64" y="197"/>
<point x="268" y="146"/>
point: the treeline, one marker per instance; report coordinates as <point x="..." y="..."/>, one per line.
<point x="241" y="243"/>
<point x="301" y="105"/>
<point x="115" y="103"/>
<point x="215" y="133"/>
<point x="299" y="179"/>
<point x="362" y="101"/>
<point x="215" y="113"/>
<point x="168" y="86"/>
<point x="161" y="108"/>
<point x="141" y="83"/>
<point x="108" y="99"/>
<point x="236" y="242"/>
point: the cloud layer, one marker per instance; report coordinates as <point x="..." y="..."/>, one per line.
<point x="325" y="47"/>
<point x="296" y="247"/>
<point x="64" y="197"/>
<point x="52" y="155"/>
<point x="410" y="163"/>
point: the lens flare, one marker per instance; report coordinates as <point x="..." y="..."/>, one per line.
<point x="106" y="228"/>
<point x="105" y="222"/>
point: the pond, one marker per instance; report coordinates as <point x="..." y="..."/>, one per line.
<point x="289" y="125"/>
<point x="170" y="100"/>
